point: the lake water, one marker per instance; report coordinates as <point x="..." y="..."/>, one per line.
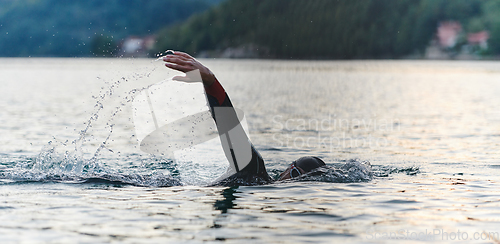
<point x="71" y="170"/>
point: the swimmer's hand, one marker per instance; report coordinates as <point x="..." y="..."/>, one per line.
<point x="185" y="63"/>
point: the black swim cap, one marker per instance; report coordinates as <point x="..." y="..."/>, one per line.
<point x="309" y="163"/>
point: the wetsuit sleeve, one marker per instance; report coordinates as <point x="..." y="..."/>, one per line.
<point x="235" y="141"/>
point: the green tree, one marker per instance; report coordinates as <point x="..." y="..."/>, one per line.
<point x="67" y="28"/>
<point x="103" y="46"/>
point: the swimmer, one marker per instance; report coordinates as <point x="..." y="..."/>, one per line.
<point x="248" y="165"/>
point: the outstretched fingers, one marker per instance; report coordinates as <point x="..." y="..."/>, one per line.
<point x="179" y="67"/>
<point x="179" y="63"/>
<point x="185" y="63"/>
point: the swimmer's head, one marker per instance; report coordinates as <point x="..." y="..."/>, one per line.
<point x="301" y="166"/>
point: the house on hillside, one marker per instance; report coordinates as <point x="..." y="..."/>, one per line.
<point x="134" y="46"/>
<point x="478" y="39"/>
<point x="451" y="42"/>
<point x="448" y="33"/>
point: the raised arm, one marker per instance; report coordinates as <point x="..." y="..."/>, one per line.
<point x="247" y="164"/>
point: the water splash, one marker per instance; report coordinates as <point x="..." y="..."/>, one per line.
<point x="385" y="170"/>
<point x="64" y="161"/>
<point x="352" y="171"/>
<point x="76" y="166"/>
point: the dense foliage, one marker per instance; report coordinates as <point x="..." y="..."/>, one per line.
<point x="72" y="28"/>
<point x="328" y="28"/>
<point x="268" y="28"/>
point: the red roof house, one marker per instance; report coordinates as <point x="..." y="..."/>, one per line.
<point x="447" y="33"/>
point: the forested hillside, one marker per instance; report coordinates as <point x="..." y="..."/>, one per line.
<point x="324" y="29"/>
<point x="67" y="28"/>
<point x="329" y="29"/>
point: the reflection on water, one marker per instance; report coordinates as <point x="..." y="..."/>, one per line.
<point x="228" y="200"/>
<point x="429" y="130"/>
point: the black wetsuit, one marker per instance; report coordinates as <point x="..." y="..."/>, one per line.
<point x="255" y="172"/>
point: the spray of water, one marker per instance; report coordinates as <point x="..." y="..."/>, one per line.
<point x="64" y="161"/>
<point x="75" y="165"/>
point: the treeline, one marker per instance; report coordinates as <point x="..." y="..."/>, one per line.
<point x="341" y="29"/>
<point x="72" y="28"/>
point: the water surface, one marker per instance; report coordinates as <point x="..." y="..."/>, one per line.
<point x="71" y="169"/>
